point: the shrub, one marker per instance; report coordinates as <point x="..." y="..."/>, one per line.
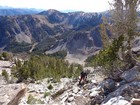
<point x="107" y="58"/>
<point x="5" y="75"/>
<point x="1" y="57"/>
<point x="60" y="54"/>
<point x="46" y="94"/>
<point x="32" y="100"/>
<point x="50" y="87"/>
<point x="7" y="56"/>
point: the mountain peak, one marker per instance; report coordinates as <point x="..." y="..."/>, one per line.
<point x="49" y="12"/>
<point x="52" y="10"/>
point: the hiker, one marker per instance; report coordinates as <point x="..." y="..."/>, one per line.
<point x="83" y="77"/>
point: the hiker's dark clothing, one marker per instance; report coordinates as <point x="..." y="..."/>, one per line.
<point x="83" y="77"/>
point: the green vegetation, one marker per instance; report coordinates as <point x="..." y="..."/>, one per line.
<point x="31" y="100"/>
<point x="19" y="47"/>
<point x="5" y="75"/>
<point x="107" y="58"/>
<point x="89" y="60"/>
<point x="116" y="53"/>
<point x="39" y="67"/>
<point x="46" y="94"/>
<point x="44" y="45"/>
<point x="6" y="56"/>
<point x="50" y="87"/>
<point x="60" y="54"/>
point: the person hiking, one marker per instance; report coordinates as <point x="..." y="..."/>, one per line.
<point x="83" y="77"/>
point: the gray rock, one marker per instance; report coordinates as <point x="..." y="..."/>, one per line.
<point x="127" y="91"/>
<point x="94" y="81"/>
<point x="38" y="88"/>
<point x="2" y="80"/>
<point x="122" y="83"/>
<point x="64" y="99"/>
<point x="94" y="93"/>
<point x="75" y="89"/>
<point x="70" y="99"/>
<point x="135" y="101"/>
<point x="131" y="75"/>
<point x="65" y="94"/>
<point x="108" y="85"/>
<point x="96" y="100"/>
<point x="117" y="101"/>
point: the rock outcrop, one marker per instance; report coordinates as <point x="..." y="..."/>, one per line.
<point x="11" y="94"/>
<point x="126" y="90"/>
<point x="16" y="100"/>
<point x="69" y="92"/>
<point x="131" y="75"/>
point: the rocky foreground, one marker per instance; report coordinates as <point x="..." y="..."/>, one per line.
<point x="124" y="89"/>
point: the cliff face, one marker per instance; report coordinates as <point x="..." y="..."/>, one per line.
<point x="51" y="30"/>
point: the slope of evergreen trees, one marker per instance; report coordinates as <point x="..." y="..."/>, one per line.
<point x="39" y="67"/>
<point x="108" y="58"/>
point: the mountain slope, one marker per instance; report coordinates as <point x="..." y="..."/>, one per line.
<point x="76" y="32"/>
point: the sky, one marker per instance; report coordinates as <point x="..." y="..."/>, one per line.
<point x="75" y="5"/>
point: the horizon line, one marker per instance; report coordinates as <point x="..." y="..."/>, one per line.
<point x="65" y="11"/>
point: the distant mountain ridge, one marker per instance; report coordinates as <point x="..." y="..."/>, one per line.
<point x="9" y="11"/>
<point x="51" y="31"/>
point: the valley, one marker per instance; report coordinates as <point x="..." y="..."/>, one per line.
<point x="49" y="57"/>
<point x="52" y="30"/>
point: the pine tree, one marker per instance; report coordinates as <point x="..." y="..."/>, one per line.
<point x="124" y="17"/>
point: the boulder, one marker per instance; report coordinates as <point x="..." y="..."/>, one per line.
<point x="75" y="89"/>
<point x="69" y="104"/>
<point x="2" y="80"/>
<point x="71" y="98"/>
<point x="116" y="76"/>
<point x="94" y="81"/>
<point x="135" y="101"/>
<point x="96" y="100"/>
<point x="108" y="85"/>
<point x="117" y="101"/>
<point x="128" y="91"/>
<point x="94" y="93"/>
<point x="131" y="75"/>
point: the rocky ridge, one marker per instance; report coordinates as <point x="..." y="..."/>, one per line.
<point x="9" y="11"/>
<point x="98" y="90"/>
<point x="52" y="31"/>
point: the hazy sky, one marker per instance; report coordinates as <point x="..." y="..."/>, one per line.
<point x="78" y="5"/>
